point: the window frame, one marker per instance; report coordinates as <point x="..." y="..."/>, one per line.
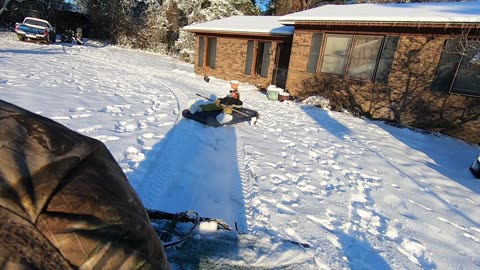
<point x="249" y="57"/>
<point x="348" y="55"/>
<point x="211" y="52"/>
<point x="315" y="52"/>
<point x="458" y="68"/>
<point x="201" y="51"/>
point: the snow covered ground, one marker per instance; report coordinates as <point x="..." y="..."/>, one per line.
<point x="307" y="188"/>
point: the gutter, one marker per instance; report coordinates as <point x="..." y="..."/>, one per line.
<point x="393" y="24"/>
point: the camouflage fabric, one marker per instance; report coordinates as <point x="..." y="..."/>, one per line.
<point x="65" y="203"/>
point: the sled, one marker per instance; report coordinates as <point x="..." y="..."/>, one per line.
<point x="167" y="225"/>
<point x="209" y="118"/>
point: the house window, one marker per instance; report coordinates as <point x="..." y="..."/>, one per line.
<point x="363" y="58"/>
<point x="249" y="60"/>
<point x="386" y="59"/>
<point x="335" y="55"/>
<point x="263" y="58"/>
<point x="351" y="56"/>
<point x="458" y="70"/>
<point x="201" y="46"/>
<point x="211" y="52"/>
<point x="314" y="52"/>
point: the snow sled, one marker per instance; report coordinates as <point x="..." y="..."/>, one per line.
<point x="174" y="229"/>
<point x="209" y="118"/>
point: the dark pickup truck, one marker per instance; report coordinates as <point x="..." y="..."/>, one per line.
<point x="35" y="29"/>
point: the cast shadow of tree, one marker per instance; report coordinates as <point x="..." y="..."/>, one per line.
<point x="407" y="100"/>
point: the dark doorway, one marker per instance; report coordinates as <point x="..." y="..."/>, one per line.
<point x="282" y="60"/>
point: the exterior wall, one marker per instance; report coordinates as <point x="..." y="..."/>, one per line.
<point x="407" y="98"/>
<point x="297" y="67"/>
<point x="230" y="62"/>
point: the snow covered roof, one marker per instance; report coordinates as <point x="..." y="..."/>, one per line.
<point x="432" y="12"/>
<point x="243" y="24"/>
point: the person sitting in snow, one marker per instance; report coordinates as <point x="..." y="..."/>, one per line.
<point x="227" y="104"/>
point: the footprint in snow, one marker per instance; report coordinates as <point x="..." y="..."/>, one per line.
<point x="83" y="115"/>
<point x="290" y="199"/>
<point x="111" y="109"/>
<point x="141" y="124"/>
<point x="105" y="138"/>
<point x="141" y="140"/>
<point x="133" y="156"/>
<point x="123" y="126"/>
<point x="277" y="179"/>
<point x="417" y="253"/>
<point x="283" y="209"/>
<point x="60" y="117"/>
<point x="161" y="115"/>
<point x="328" y="223"/>
<point x="306" y="188"/>
<point x="296" y="237"/>
<point x="165" y="124"/>
<point x="137" y="114"/>
<point x="395" y="186"/>
<point x="89" y="129"/>
<point x="78" y="109"/>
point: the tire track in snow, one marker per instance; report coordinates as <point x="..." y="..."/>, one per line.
<point x="166" y="154"/>
<point x="159" y="176"/>
<point x="248" y="190"/>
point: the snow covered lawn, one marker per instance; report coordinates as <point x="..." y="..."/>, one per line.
<point x="307" y="188"/>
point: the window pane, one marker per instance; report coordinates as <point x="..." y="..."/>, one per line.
<point x="200" y="51"/>
<point x="212" y="52"/>
<point x="364" y="57"/>
<point x="336" y="50"/>
<point x="361" y="68"/>
<point x="447" y="67"/>
<point x="467" y="80"/>
<point x="333" y="64"/>
<point x="390" y="47"/>
<point x="248" y="61"/>
<point x="314" y="52"/>
<point x="258" y="63"/>
<point x="337" y="45"/>
<point x="383" y="70"/>
<point x="386" y="59"/>
<point x="266" y="59"/>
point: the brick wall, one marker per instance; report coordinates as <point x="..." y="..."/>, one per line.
<point x="407" y="98"/>
<point x="230" y="62"/>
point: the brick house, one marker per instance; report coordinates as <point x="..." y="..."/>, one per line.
<point x="397" y="62"/>
<point x="254" y="49"/>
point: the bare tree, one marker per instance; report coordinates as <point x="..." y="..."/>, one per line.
<point x="6" y="6"/>
<point x="38" y="8"/>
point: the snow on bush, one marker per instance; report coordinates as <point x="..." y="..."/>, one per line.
<point x="317" y="101"/>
